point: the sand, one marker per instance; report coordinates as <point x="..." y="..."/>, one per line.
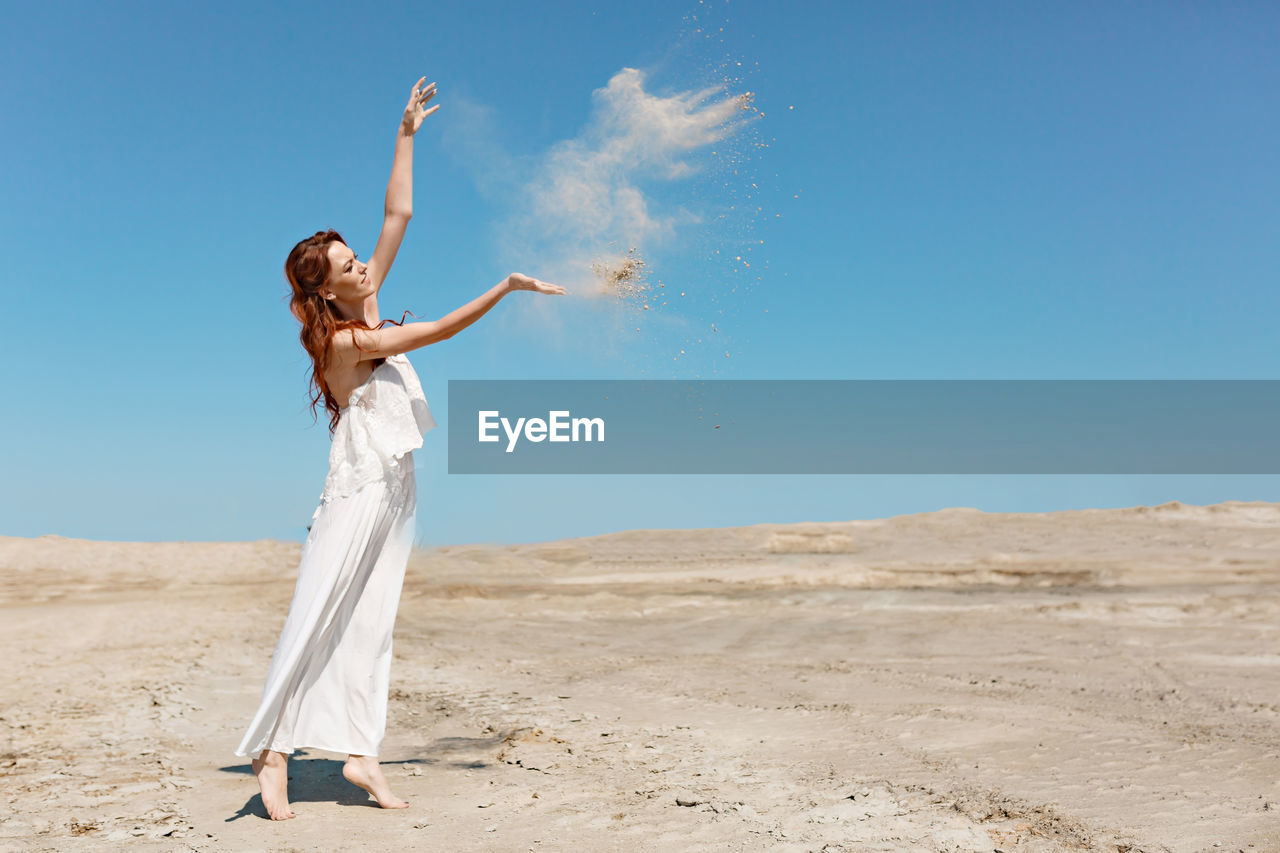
<point x="953" y="681"/>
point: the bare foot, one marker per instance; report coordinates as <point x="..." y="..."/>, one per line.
<point x="365" y="771"/>
<point x="272" y="770"/>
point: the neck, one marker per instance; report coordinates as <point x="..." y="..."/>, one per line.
<point x="365" y="309"/>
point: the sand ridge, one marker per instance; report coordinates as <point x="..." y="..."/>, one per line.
<point x="957" y="680"/>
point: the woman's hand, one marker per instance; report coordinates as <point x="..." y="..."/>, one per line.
<point x="519" y="281"/>
<point x="413" y="112"/>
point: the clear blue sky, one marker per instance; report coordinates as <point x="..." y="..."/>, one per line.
<point x="996" y="190"/>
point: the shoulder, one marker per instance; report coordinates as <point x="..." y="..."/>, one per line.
<point x="343" y="349"/>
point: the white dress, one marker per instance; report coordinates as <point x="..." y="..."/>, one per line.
<point x="327" y="684"/>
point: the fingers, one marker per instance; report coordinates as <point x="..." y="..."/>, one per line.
<point x="525" y="282"/>
<point x="520" y="281"/>
<point x="420" y="99"/>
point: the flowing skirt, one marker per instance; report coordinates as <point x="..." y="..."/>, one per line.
<point x="328" y="680"/>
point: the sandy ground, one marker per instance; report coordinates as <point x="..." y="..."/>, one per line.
<point x="955" y="681"/>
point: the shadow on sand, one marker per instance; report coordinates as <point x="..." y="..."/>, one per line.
<point x="313" y="780"/>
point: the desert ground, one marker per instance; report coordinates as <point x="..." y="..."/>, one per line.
<point x="953" y="681"/>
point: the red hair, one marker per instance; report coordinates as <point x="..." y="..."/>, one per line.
<point x="307" y="269"/>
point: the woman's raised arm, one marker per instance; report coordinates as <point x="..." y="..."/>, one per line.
<point x="398" y="208"/>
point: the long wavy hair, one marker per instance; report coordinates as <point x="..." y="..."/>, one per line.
<point x="307" y="269"/>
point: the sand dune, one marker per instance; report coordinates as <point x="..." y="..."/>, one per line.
<point x="950" y="681"/>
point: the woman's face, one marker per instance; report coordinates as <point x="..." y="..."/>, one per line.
<point x="348" y="277"/>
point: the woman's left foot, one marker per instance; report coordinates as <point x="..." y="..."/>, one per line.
<point x="365" y="771"/>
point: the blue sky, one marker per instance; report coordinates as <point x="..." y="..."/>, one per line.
<point x="997" y="190"/>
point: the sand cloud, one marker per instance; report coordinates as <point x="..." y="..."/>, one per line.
<point x="588" y="187"/>
<point x="589" y="199"/>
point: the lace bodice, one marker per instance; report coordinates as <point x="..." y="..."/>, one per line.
<point x="385" y="418"/>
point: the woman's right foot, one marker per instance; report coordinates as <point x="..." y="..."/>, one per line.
<point x="272" y="770"/>
<point x="365" y="771"/>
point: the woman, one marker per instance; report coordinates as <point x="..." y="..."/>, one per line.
<point x="327" y="684"/>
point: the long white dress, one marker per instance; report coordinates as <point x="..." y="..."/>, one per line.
<point x="327" y="684"/>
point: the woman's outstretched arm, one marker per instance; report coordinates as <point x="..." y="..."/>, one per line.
<point x="379" y="343"/>
<point x="398" y="208"/>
